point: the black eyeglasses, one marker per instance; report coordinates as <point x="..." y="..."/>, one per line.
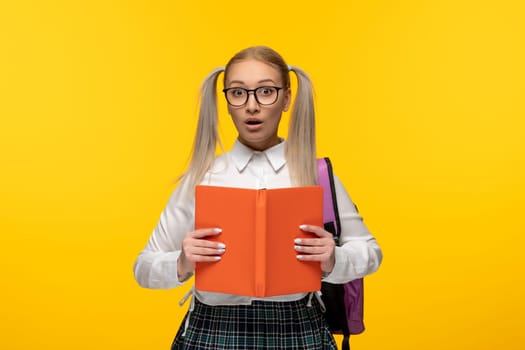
<point x="264" y="95"/>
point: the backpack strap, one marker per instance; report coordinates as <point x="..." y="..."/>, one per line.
<point x="331" y="220"/>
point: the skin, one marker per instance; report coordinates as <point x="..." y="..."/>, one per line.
<point x="250" y="74"/>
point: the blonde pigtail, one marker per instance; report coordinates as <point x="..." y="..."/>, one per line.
<point x="300" y="144"/>
<point x="207" y="134"/>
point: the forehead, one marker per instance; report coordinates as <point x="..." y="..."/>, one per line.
<point x="251" y="72"/>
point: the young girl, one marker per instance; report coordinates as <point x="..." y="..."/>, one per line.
<point x="257" y="90"/>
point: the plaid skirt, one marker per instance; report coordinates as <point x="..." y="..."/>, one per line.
<point x="261" y="325"/>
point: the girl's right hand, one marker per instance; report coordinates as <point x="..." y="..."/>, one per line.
<point x="196" y="248"/>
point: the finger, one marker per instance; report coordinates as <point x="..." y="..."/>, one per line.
<point x="321" y="242"/>
<point x="306" y="257"/>
<point x="205" y="232"/>
<point x="206" y="251"/>
<point x="201" y="246"/>
<point x="311" y="250"/>
<point x="197" y="238"/>
<point x="320" y="232"/>
<point x="203" y="258"/>
<point x="204" y="254"/>
<point x="203" y="243"/>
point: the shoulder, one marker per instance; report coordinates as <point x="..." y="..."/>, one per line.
<point x="220" y="169"/>
<point x="220" y="162"/>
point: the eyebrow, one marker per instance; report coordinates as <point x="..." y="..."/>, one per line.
<point x="259" y="82"/>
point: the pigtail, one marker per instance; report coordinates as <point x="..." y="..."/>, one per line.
<point x="300" y="144"/>
<point x="207" y="134"/>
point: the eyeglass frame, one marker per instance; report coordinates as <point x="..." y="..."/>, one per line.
<point x="248" y="91"/>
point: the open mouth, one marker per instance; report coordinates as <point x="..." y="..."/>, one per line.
<point x="253" y="122"/>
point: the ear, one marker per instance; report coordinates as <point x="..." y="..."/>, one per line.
<point x="287" y="99"/>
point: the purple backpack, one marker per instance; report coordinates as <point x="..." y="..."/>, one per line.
<point x="343" y="302"/>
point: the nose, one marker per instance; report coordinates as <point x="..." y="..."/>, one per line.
<point x="252" y="106"/>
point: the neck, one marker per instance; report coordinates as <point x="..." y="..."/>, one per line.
<point x="261" y="146"/>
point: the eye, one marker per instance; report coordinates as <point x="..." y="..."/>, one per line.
<point x="266" y="91"/>
<point x="237" y="92"/>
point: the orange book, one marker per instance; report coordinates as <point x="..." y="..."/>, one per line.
<point x="259" y="228"/>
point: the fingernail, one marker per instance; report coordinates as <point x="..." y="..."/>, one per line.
<point x="217" y="230"/>
<point x="300" y="257"/>
<point x="297" y="241"/>
<point x="221" y="251"/>
<point x="221" y="245"/>
<point x="297" y="247"/>
<point x="217" y="258"/>
<point x="303" y="227"/>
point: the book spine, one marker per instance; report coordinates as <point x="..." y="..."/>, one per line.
<point x="260" y="243"/>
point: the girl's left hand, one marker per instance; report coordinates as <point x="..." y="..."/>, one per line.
<point x="320" y="249"/>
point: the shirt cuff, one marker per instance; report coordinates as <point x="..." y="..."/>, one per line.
<point x="338" y="272"/>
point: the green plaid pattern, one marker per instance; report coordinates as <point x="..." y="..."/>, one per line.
<point x="262" y="325"/>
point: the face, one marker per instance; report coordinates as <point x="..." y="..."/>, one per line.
<point x="257" y="124"/>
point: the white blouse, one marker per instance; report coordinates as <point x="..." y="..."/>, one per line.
<point x="156" y="266"/>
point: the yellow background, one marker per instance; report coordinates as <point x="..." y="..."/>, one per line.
<point x="420" y="107"/>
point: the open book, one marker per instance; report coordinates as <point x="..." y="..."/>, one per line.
<point x="258" y="228"/>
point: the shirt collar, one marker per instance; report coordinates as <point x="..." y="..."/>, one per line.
<point x="242" y="154"/>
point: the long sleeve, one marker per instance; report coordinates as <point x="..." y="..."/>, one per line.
<point x="156" y="265"/>
<point x="359" y="254"/>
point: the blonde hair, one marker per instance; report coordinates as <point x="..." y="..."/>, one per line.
<point x="300" y="149"/>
